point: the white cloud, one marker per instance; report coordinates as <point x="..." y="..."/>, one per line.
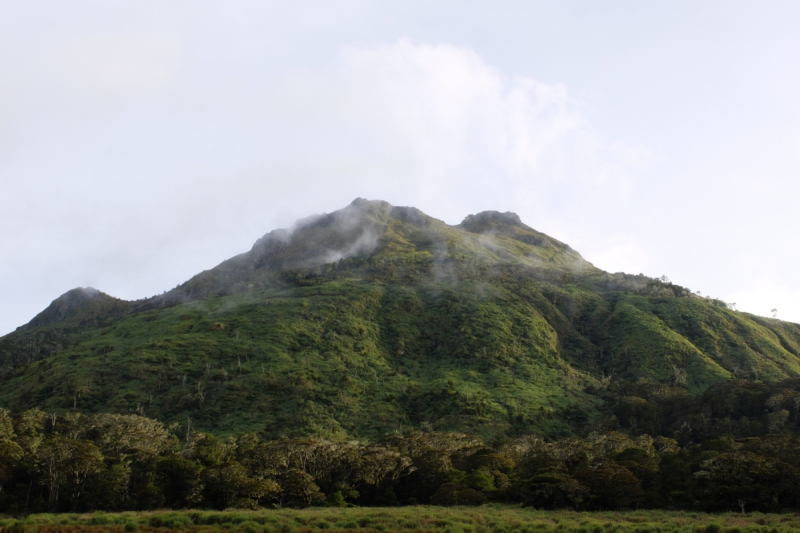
<point x="628" y="256"/>
<point x="762" y="295"/>
<point x="437" y="125"/>
<point x="150" y="191"/>
<point x="120" y="63"/>
<point x="141" y="142"/>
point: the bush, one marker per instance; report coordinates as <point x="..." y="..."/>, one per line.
<point x="335" y="499"/>
<point x="284" y="527"/>
<point x="250" y="526"/>
<point x="99" y="519"/>
<point x="471" y="497"/>
<point x="171" y="521"/>
<point x="15" y="527"/>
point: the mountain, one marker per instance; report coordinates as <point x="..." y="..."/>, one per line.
<point x="376" y="317"/>
<point x="85" y="303"/>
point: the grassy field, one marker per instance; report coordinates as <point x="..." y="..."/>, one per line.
<point x="457" y="519"/>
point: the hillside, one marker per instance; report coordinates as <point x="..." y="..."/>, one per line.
<point x="376" y="317"/>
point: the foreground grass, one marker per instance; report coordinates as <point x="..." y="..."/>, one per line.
<point x="459" y="519"/>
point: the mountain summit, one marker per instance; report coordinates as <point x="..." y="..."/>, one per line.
<point x="377" y="317"/>
<point x="376" y="229"/>
<point x="83" y="304"/>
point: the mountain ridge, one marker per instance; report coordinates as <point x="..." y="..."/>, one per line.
<point x="488" y="327"/>
<point x="342" y="221"/>
<point x="69" y="305"/>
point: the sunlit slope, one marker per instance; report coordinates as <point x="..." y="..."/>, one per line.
<point x="342" y="357"/>
<point x="375" y="317"/>
<point x="69" y="319"/>
<point x="692" y="341"/>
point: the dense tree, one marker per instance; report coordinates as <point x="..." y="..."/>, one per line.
<point x="116" y="462"/>
<point x="64" y="462"/>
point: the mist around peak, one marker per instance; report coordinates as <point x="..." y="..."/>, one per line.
<point x="326" y="238"/>
<point x="365" y="229"/>
<point x="351" y="323"/>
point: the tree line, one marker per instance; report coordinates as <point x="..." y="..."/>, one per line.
<point x="113" y="462"/>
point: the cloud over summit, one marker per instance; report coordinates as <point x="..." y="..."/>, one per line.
<point x="180" y="182"/>
<point x="141" y="143"/>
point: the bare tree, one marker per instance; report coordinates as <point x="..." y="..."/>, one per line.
<point x="200" y="396"/>
<point x="188" y="430"/>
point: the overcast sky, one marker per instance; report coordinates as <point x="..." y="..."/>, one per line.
<point x="142" y="142"/>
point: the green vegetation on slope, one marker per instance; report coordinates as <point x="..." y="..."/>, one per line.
<point x="338" y="359"/>
<point x="377" y="318"/>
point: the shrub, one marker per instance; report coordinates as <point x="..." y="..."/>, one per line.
<point x="335" y="499"/>
<point x="15" y="527"/>
<point x="250" y="526"/>
<point x="171" y="521"/>
<point x="284" y="527"/>
<point x="471" y="497"/>
<point x="99" y="519"/>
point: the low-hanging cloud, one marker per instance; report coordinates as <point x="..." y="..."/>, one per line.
<point x="197" y="174"/>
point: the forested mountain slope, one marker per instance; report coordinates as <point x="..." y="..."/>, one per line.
<point x="376" y="318"/>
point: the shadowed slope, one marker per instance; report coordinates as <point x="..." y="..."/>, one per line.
<point x="81" y="304"/>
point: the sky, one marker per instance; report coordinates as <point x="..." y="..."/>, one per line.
<point x="143" y="142"/>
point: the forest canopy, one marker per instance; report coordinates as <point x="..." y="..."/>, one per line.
<point x="115" y="462"/>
